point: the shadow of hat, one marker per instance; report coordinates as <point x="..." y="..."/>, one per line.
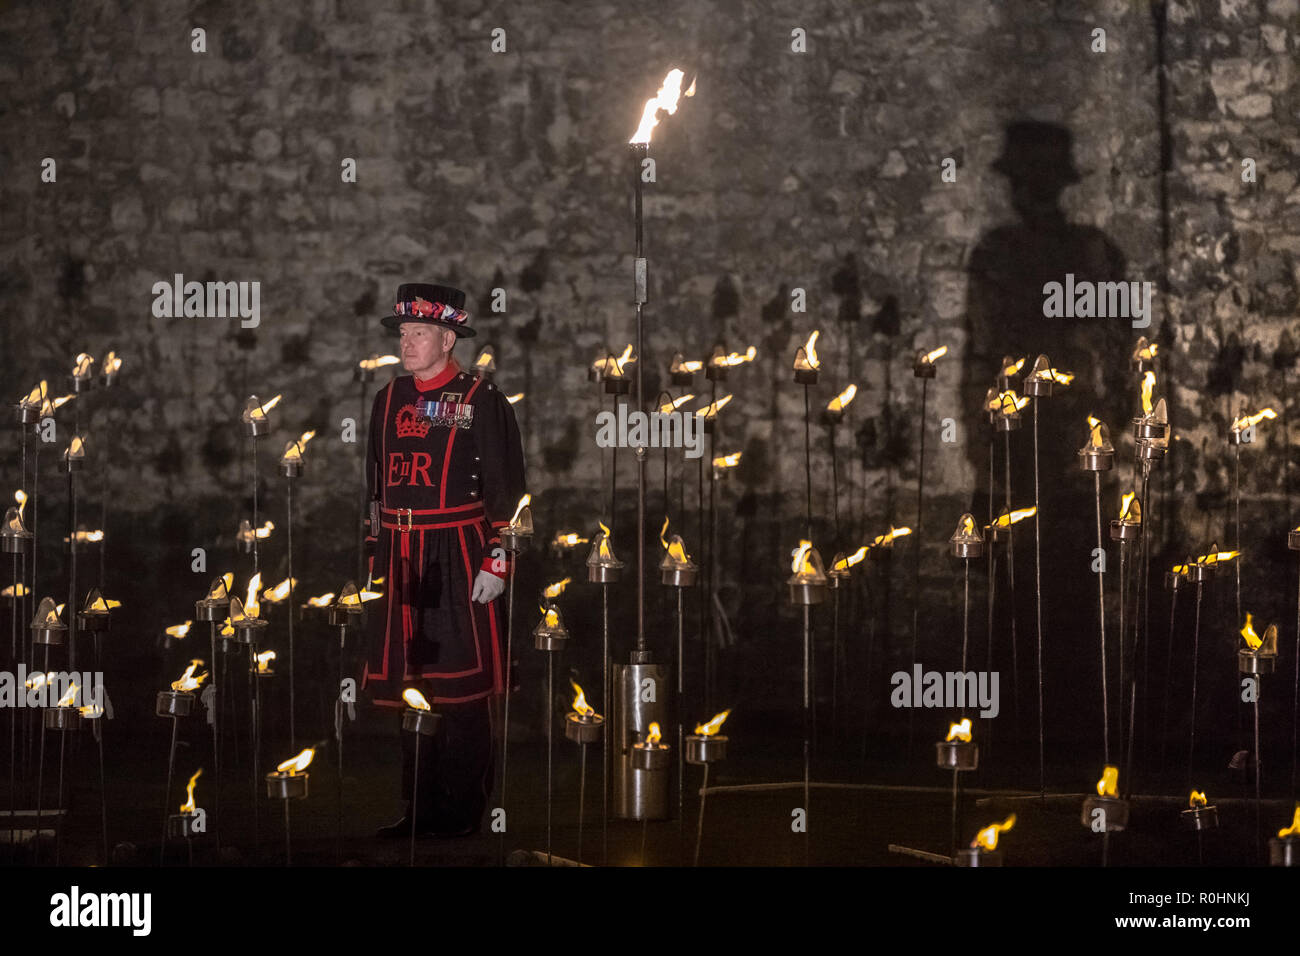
<point x="1037" y="150"/>
<point x="429" y="292"/>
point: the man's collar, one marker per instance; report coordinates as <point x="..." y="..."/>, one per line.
<point x="441" y="379"/>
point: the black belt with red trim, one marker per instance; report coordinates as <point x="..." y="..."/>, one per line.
<point x="429" y="519"/>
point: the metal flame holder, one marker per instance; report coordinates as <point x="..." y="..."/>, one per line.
<point x="704" y="750"/>
<point x="1115" y="808"/>
<point x="1284" y="851"/>
<point x="583" y="730"/>
<point x="1200" y="818"/>
<point x="977" y="856"/>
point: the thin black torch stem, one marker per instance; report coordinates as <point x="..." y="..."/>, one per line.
<point x="63" y="810"/>
<point x="72" y="568"/>
<point x="1196" y="653"/>
<point x="1169" y="669"/>
<point x="415" y="796"/>
<point x="642" y="151"/>
<point x="681" y="698"/>
<point x="13" y="713"/>
<point x="293" y="729"/>
<point x="167" y="793"/>
<point x="40" y="773"/>
<point x="1141" y="595"/>
<point x="98" y="730"/>
<point x="288" y="844"/>
<point x="1038" y="603"/>
<point x="1259" y="836"/>
<point x="807" y="721"/>
<point x="256" y="565"/>
<point x="605" y="757"/>
<point x="920" y="527"/>
<point x="1011" y="578"/>
<point x="807" y="461"/>
<point x="339" y="717"/>
<point x="505" y="724"/>
<point x="1295" y="695"/>
<point x="1236" y="482"/>
<point x="699" y="824"/>
<point x="550" y="750"/>
<point x="1101" y="625"/>
<point x="582" y="796"/>
<point x="214" y="715"/>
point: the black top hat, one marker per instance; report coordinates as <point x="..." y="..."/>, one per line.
<point x="1039" y="151"/>
<point x="431" y="305"/>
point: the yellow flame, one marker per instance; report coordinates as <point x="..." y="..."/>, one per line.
<point x="523" y="503"/>
<point x="20" y="496"/>
<point x="1008" y="402"/>
<point x="188" y="805"/>
<point x="654" y="735"/>
<point x="251" y="607"/>
<point x="278" y="593"/>
<point x="1014" y="517"/>
<point x="1145" y="350"/>
<point x="259" y="411"/>
<point x="988" y="837"/>
<point x="1248" y="421"/>
<point x="1215" y="556"/>
<point x="178" y="631"/>
<point x="714" y="725"/>
<point x="1108" y="785"/>
<point x="323" y="600"/>
<point x="568" y="539"/>
<point x="1013" y="368"/>
<point x="264" y="661"/>
<point x="841" y="401"/>
<point x="580" y="705"/>
<point x="967" y="524"/>
<point x="1294" y="829"/>
<point x="735" y="358"/>
<point x="843" y="564"/>
<point x="551" y="617"/>
<point x="801" y="564"/>
<point x="37" y="681"/>
<point x="91" y="536"/>
<point x="960" y="731"/>
<point x="675" y="548"/>
<point x="1253" y="640"/>
<point x="1130" y="511"/>
<point x="377" y="361"/>
<point x="727" y="461"/>
<point x="1148" y="386"/>
<point x="83" y="366"/>
<point x="712" y="409"/>
<point x="666" y="100"/>
<point x="484" y="359"/>
<point x="294" y="450"/>
<point x="556" y="589"/>
<point x="605" y="551"/>
<point x="682" y="365"/>
<point x="929" y="357"/>
<point x="368" y="595"/>
<point x="673" y="405"/>
<point x="889" y="536"/>
<point x="1197" y="799"/>
<point x="613" y="365"/>
<point x="415" y="699"/>
<point x="806" y="357"/>
<point x="69" y="697"/>
<point x="515" y="398"/>
<point x="23" y="590"/>
<point x="297" y="764"/>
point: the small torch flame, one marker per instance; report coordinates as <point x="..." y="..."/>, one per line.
<point x="415" y="699"/>
<point x="298" y="764"/>
<point x="1249" y="421"/>
<point x="843" y="564"/>
<point x="988" y="837"/>
<point x="1108" y="785"/>
<point x="188" y="805"/>
<point x="556" y="589"/>
<point x="1294" y="829"/>
<point x="580" y="705"/>
<point x="714" y="725"/>
<point x="654" y="735"/>
<point x="960" y="731"/>
<point x="806" y="357"/>
<point x="841" y="401"/>
<point x="1253" y="640"/>
<point x="666" y="100"/>
<point x="1197" y="799"/>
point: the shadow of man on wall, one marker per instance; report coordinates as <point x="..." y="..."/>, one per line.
<point x="1007" y="273"/>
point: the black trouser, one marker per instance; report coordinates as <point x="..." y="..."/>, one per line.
<point x="456" y="767"/>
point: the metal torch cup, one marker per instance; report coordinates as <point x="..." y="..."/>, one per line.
<point x="804" y="592"/>
<point x="1284" y="851"/>
<point x="957" y="755"/>
<point x="1115" y="809"/>
<point x="1094" y="459"/>
<point x="977" y="856"/>
<point x="1250" y="662"/>
<point x="174" y="703"/>
<point x="180" y="826"/>
<point x="286" y="786"/>
<point x="582" y="729"/>
<point x="416" y="720"/>
<point x="1201" y="818"/>
<point x="705" y="748"/>
<point x="62" y="718"/>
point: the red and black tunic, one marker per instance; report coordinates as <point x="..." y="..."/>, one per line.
<point x="444" y="491"/>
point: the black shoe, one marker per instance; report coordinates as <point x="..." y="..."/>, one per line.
<point x="402" y="828"/>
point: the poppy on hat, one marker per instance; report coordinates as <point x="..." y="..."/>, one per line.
<point x="430" y="305"/>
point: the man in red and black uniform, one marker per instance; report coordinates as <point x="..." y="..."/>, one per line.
<point x="445" y="473"/>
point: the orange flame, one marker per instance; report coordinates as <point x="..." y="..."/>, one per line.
<point x="654" y="735"/>
<point x="515" y="398"/>
<point x="843" y="564"/>
<point x="888" y="537"/>
<point x="323" y="600"/>
<point x="666" y="100"/>
<point x="278" y="593"/>
<point x="251" y="607"/>
<point x="415" y="699"/>
<point x="298" y="764"/>
<point x="1014" y="517"/>
<point x="1294" y="829"/>
<point x="69" y="697"/>
<point x="580" y="705"/>
<point x="556" y="589"/>
<point x="842" y="400"/>
<point x="568" y="539"/>
<point x="188" y="805"/>
<point x="960" y="731"/>
<point x="377" y="361"/>
<point x="806" y="357"/>
<point x="933" y="355"/>
<point x="727" y="461"/>
<point x="1148" y="386"/>
<point x="254" y="409"/>
<point x="84" y="364"/>
<point x="1248" y="421"/>
<point x="523" y="503"/>
<point x="714" y="725"/>
<point x="673" y="405"/>
<point x="604" y="549"/>
<point x="1108" y="785"/>
<point x="801" y="564"/>
<point x="735" y="358"/>
<point x="711" y="410"/>
<point x="613" y="365"/>
<point x="264" y="661"/>
<point x="988" y="837"/>
<point x="1197" y="799"/>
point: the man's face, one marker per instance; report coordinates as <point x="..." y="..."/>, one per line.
<point x="424" y="346"/>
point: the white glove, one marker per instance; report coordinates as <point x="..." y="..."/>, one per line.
<point x="487" y="587"/>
